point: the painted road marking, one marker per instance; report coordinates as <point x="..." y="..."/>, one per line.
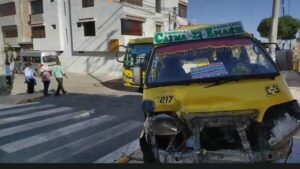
<point x="126" y="150"/>
<point x="296" y="137"/>
<point x="38" y="124"/>
<point x="20" y="110"/>
<point x="44" y="137"/>
<point x="18" y="105"/>
<point x="83" y="144"/>
<point x="37" y="114"/>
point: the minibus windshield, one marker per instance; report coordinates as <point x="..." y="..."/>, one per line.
<point x="209" y="59"/>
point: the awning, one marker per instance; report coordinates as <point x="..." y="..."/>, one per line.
<point x="134" y="17"/>
<point x="181" y="22"/>
<point x="86" y="20"/>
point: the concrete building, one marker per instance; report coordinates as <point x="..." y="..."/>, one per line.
<point x="82" y="31"/>
<point x="14" y="19"/>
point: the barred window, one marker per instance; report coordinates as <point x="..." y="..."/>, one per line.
<point x="38" y="32"/>
<point x="182" y="12"/>
<point x="7" y="9"/>
<point x="10" y="31"/>
<point x="134" y="2"/>
<point x="89" y="28"/>
<point x="158" y="6"/>
<point x="37" y="7"/>
<point x="158" y="28"/>
<point x="87" y="3"/>
<point x="131" y="27"/>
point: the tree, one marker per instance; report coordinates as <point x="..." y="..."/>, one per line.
<point x="287" y="28"/>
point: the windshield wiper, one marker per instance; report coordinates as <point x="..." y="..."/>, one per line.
<point x="219" y="82"/>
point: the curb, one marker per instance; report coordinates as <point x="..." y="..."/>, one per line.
<point x="134" y="157"/>
<point x="33" y="99"/>
<point x="123" y="160"/>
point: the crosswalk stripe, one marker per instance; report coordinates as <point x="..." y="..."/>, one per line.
<point x="38" y="124"/>
<point x="15" y="111"/>
<point x="297" y="137"/>
<point x="37" y="114"/>
<point x="44" y="137"/>
<point x="117" y="154"/>
<point x="83" y="144"/>
<point x="18" y="105"/>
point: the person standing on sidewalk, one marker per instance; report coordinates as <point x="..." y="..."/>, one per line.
<point x="58" y="74"/>
<point x="8" y="73"/>
<point x="29" y="78"/>
<point x="45" y="75"/>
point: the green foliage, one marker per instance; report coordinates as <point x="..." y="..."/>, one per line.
<point x="8" y="48"/>
<point x="287" y="27"/>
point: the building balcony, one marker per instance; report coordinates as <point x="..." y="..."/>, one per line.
<point x="36" y="19"/>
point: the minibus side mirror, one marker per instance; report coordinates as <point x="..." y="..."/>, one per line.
<point x="117" y="54"/>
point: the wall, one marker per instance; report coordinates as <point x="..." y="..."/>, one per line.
<point x="23" y="18"/>
<point x="2" y="62"/>
<point x="52" y="40"/>
<point x="91" y="55"/>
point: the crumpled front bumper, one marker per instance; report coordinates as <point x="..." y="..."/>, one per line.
<point x="225" y="156"/>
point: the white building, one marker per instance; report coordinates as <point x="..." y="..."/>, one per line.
<point x="82" y="30"/>
<point x="14" y="18"/>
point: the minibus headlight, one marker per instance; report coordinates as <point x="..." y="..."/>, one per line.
<point x="164" y="124"/>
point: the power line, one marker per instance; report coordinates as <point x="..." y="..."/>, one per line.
<point x="204" y="3"/>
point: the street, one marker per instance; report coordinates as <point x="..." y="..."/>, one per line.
<point x="75" y="128"/>
<point x="94" y="123"/>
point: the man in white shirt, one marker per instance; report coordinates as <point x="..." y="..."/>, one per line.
<point x="29" y="78"/>
<point x="8" y="74"/>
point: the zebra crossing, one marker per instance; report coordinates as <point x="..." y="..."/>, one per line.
<point x="46" y="133"/>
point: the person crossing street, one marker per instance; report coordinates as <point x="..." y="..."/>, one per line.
<point x="59" y="74"/>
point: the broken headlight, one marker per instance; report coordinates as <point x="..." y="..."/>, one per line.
<point x="282" y="122"/>
<point x="166" y="132"/>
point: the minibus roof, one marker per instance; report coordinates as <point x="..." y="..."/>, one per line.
<point x="38" y="53"/>
<point x="199" y="32"/>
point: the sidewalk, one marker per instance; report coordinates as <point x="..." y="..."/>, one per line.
<point x="293" y="80"/>
<point x="75" y="83"/>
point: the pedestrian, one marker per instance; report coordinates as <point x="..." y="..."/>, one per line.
<point x="58" y="74"/>
<point x="45" y="75"/>
<point x="8" y="73"/>
<point x="29" y="78"/>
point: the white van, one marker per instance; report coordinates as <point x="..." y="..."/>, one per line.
<point x="36" y="58"/>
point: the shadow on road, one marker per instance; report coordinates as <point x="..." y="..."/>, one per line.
<point x="117" y="84"/>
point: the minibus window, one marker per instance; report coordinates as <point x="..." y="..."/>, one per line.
<point x="50" y="58"/>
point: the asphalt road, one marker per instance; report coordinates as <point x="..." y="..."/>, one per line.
<point x="75" y="128"/>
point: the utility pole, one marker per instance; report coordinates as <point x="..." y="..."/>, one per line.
<point x="2" y="66"/>
<point x="274" y="29"/>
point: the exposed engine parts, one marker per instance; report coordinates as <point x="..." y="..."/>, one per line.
<point x="225" y="137"/>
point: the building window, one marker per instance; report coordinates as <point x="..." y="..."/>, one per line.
<point x="158" y="28"/>
<point x="37" y="7"/>
<point x="51" y="0"/>
<point x="10" y="31"/>
<point x="87" y="3"/>
<point x="182" y="11"/>
<point x="7" y="9"/>
<point x="158" y="6"/>
<point x="53" y="26"/>
<point x="131" y="27"/>
<point x="134" y="2"/>
<point x="38" y="32"/>
<point x="89" y="28"/>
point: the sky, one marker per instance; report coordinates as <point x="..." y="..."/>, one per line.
<point x="250" y="12"/>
